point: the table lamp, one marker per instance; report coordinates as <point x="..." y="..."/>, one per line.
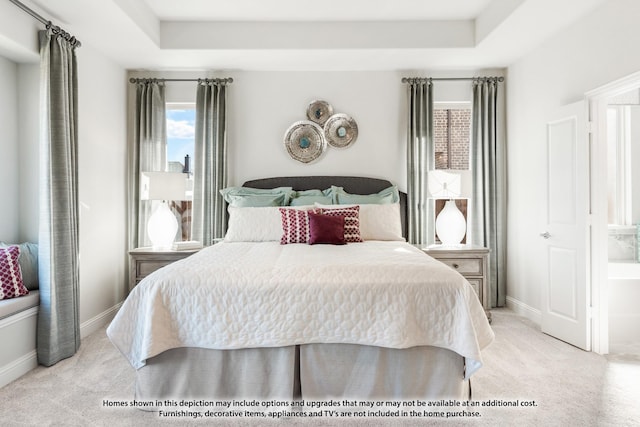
<point x="451" y="226"/>
<point x="162" y="225"/>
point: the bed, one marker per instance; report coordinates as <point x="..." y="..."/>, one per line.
<point x="253" y="318"/>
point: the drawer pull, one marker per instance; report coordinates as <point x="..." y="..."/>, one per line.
<point x="455" y="266"/>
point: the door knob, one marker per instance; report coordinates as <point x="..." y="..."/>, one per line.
<point x="545" y="235"/>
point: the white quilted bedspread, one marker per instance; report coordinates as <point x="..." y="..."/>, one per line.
<point x="237" y="295"/>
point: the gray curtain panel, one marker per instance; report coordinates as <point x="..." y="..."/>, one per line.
<point x="148" y="153"/>
<point x="488" y="166"/>
<point x="58" y="330"/>
<point x="420" y="159"/>
<point x="209" y="214"/>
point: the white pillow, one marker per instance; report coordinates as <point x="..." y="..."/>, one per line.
<point x="254" y="224"/>
<point x="377" y="221"/>
<point x="380" y="222"/>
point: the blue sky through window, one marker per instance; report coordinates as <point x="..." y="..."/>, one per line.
<point x="180" y="133"/>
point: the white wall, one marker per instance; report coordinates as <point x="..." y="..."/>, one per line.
<point x="102" y="183"/>
<point x="594" y="51"/>
<point x="262" y="106"/>
<point x="9" y="213"/>
<point x="28" y="149"/>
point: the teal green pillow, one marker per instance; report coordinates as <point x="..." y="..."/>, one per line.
<point x="309" y="197"/>
<point x="257" y="201"/>
<point x="257" y="197"/>
<point x="386" y="196"/>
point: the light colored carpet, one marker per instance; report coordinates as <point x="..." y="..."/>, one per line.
<point x="570" y="387"/>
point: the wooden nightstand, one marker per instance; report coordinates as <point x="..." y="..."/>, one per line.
<point x="470" y="261"/>
<point x="145" y="261"/>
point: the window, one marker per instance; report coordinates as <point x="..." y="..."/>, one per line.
<point x="452" y="132"/>
<point x="181" y="120"/>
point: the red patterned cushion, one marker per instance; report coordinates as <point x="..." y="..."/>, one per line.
<point x="328" y="229"/>
<point x="295" y="226"/>
<point x="351" y="221"/>
<point x="11" y="284"/>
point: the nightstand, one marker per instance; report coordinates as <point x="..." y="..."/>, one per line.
<point x="145" y="261"/>
<point x="470" y="261"/>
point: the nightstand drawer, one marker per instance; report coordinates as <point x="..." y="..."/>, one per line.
<point x="144" y="268"/>
<point x="145" y="261"/>
<point x="476" y="284"/>
<point x="464" y="266"/>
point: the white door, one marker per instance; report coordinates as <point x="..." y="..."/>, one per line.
<point x="566" y="237"/>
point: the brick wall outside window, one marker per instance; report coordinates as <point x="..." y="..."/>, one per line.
<point x="460" y="134"/>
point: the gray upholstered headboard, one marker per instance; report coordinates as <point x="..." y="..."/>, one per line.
<point x="351" y="184"/>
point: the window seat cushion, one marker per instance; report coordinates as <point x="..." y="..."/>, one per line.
<point x="9" y="307"/>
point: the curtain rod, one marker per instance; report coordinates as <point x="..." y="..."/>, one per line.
<point x="223" y="81"/>
<point x="429" y="79"/>
<point x="48" y="24"/>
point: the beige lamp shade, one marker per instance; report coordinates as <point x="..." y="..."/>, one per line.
<point x="163" y="186"/>
<point x="449" y="184"/>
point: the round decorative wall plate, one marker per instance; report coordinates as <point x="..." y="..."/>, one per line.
<point x="305" y="141"/>
<point x="340" y="130"/>
<point x="319" y="111"/>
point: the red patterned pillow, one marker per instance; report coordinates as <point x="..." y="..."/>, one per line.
<point x="351" y="221"/>
<point x="11" y="284"/>
<point x="295" y="226"/>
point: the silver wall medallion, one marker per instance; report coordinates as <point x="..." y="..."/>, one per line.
<point x="305" y="141"/>
<point x="340" y="130"/>
<point x="319" y="111"/>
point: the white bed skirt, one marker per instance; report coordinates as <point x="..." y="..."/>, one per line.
<point x="373" y="373"/>
<point x="313" y="371"/>
<point x="197" y="373"/>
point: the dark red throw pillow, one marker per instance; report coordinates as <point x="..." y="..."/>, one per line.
<point x="328" y="229"/>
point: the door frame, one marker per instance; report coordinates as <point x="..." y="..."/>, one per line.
<point x="596" y="102"/>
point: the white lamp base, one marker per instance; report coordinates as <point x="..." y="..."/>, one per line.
<point x="450" y="224"/>
<point x="162" y="228"/>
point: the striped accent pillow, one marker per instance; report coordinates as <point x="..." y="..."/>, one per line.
<point x="351" y="221"/>
<point x="11" y="284"/>
<point x="295" y="226"/>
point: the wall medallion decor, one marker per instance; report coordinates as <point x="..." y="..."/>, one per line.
<point x="319" y="111"/>
<point x="340" y="130"/>
<point x="305" y="141"/>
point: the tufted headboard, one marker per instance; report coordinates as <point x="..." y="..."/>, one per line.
<point x="351" y="184"/>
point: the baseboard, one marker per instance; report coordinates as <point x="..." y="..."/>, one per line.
<point x="18" y="368"/>
<point x="18" y="317"/>
<point x="96" y="322"/>
<point x="525" y="310"/>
